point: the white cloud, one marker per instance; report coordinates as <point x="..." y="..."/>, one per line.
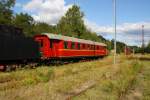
<point x="96" y="28"/>
<point x="49" y="11"/>
<point x="129" y="33"/>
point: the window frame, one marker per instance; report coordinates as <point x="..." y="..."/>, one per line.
<point x="72" y="45"/>
<point x="65" y="45"/>
<point x="41" y="43"/>
<point x="97" y="47"/>
<point x="51" y="45"/>
<point x="78" y="46"/>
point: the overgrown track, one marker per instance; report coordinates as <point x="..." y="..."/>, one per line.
<point x="139" y="86"/>
<point x="96" y="80"/>
<point x="13" y="67"/>
<point x="126" y="81"/>
<point x="8" y="80"/>
<point x="140" y="57"/>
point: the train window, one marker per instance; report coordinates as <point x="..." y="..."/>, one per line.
<point x="41" y="44"/>
<point x="72" y="45"/>
<point x="86" y="46"/>
<point x="97" y="47"/>
<point x="69" y="45"/>
<point x="100" y="47"/>
<point x="76" y="46"/>
<point x="89" y="46"/>
<point x="51" y="43"/>
<point x="83" y="46"/>
<point x="79" y="46"/>
<point x="92" y="47"/>
<point x="65" y="45"/>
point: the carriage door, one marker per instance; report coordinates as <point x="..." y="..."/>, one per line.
<point x="54" y="47"/>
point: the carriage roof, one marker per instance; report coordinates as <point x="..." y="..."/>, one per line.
<point x="67" y="38"/>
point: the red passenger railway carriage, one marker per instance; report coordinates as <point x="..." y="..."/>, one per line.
<point x="18" y="50"/>
<point x="58" y="46"/>
<point x="128" y="50"/>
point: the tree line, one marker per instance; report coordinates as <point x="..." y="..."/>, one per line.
<point x="71" y="24"/>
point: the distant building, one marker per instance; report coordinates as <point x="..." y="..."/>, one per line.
<point x="128" y="50"/>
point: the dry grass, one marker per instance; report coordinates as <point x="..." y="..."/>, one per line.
<point x="44" y="74"/>
<point x="106" y="81"/>
<point x="116" y="85"/>
<point x="140" y="90"/>
<point x="25" y="77"/>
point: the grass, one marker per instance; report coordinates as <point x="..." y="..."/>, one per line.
<point x="141" y="90"/>
<point x="44" y="74"/>
<point x="115" y="86"/>
<point x="25" y="77"/>
<point x="96" y="80"/>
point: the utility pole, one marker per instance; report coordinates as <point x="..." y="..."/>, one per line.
<point x="125" y="50"/>
<point x="143" y="45"/>
<point x="114" y="14"/>
<point x="133" y="51"/>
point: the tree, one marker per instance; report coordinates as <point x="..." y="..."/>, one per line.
<point x="72" y="22"/>
<point x="26" y="22"/>
<point x="120" y="46"/>
<point x="43" y="28"/>
<point x="6" y="14"/>
<point x="147" y="49"/>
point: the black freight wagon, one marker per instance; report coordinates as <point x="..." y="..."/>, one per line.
<point x="14" y="46"/>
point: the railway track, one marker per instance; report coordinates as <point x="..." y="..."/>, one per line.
<point x="4" y="81"/>
<point x="14" y="67"/>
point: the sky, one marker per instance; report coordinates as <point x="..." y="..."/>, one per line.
<point x="131" y="15"/>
